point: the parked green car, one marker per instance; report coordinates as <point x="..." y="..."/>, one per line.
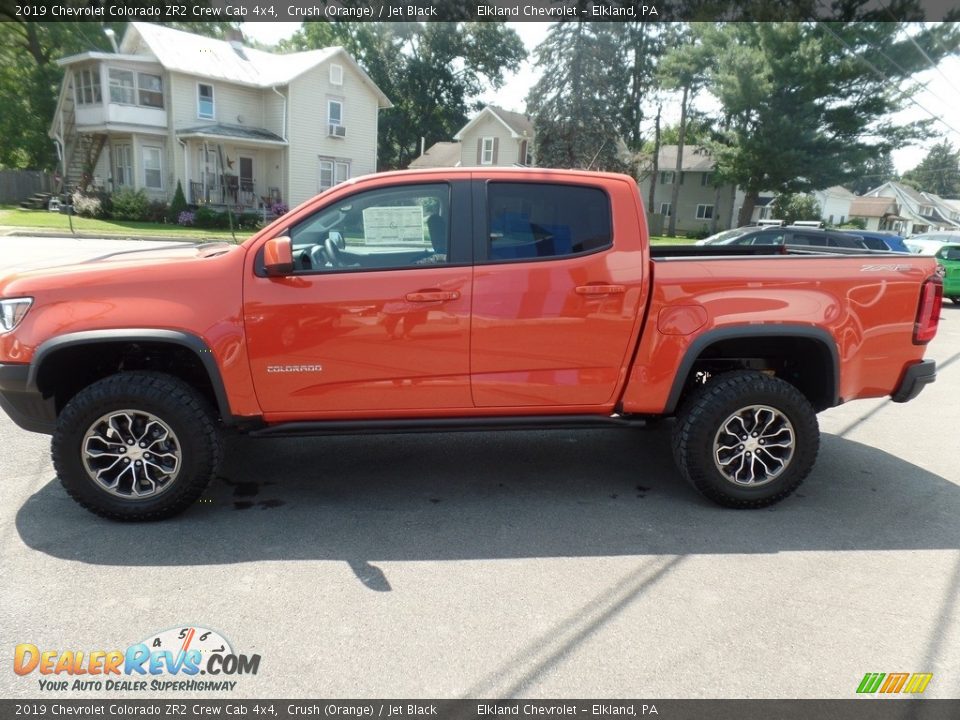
<point x="948" y="257"/>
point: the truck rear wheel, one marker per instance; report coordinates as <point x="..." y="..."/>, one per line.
<point x="746" y="439"/>
<point x="136" y="446"/>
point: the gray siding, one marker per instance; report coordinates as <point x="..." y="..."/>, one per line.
<point x="508" y="148"/>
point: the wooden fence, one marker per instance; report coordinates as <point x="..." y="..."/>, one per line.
<point x="18" y="185"/>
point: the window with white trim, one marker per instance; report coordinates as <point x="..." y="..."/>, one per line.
<point x="666" y="209"/>
<point x="705" y="179"/>
<point x="150" y="90"/>
<point x="88" y="87"/>
<point x="336" y="74"/>
<point x="486" y="152"/>
<point x="122" y="87"/>
<point x="152" y="168"/>
<point x="667" y="177"/>
<point x="704" y="212"/>
<point x="205" y="106"/>
<point x="332" y="172"/>
<point x="335" y="112"/>
<point x="122" y="166"/>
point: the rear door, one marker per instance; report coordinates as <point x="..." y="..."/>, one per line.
<point x="558" y="286"/>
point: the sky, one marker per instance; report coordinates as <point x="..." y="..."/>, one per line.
<point x="940" y="97"/>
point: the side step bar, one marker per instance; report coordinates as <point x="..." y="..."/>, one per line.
<point x="466" y="424"/>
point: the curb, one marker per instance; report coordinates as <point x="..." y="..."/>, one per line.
<point x="31" y="232"/>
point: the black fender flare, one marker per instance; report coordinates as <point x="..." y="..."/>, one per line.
<point x="192" y="342"/>
<point x="746" y="332"/>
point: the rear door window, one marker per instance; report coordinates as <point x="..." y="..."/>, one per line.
<point x="529" y="221"/>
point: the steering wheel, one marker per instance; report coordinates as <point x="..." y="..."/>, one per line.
<point x="332" y="251"/>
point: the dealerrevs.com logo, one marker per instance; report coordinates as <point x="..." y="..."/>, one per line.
<point x="184" y="659"/>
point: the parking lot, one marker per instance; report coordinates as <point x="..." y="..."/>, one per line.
<point x="540" y="564"/>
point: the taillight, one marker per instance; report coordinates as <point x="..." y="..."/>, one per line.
<point x="928" y="313"/>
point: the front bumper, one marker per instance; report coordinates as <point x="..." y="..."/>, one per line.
<point x="917" y="375"/>
<point x="24" y="404"/>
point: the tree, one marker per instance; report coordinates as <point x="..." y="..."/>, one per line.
<point x="809" y="102"/>
<point x="796" y="206"/>
<point x="876" y="171"/>
<point x="30" y="78"/>
<point x="938" y="172"/>
<point x="683" y="69"/>
<point x="576" y="105"/>
<point x="432" y="72"/>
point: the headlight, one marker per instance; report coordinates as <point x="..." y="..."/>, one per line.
<point x="12" y="312"/>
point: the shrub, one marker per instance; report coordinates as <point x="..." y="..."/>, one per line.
<point x="248" y="221"/>
<point x="157" y="212"/>
<point x="178" y="205"/>
<point x="86" y="205"/>
<point x="703" y="232"/>
<point x="858" y="223"/>
<point x="210" y="219"/>
<point x="186" y="218"/>
<point x="279" y="208"/>
<point x="130" y="205"/>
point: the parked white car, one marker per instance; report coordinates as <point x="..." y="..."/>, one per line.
<point x="929" y="243"/>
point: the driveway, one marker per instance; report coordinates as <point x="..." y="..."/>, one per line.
<point x="542" y="564"/>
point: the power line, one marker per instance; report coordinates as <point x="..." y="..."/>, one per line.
<point x="929" y="60"/>
<point x="885" y="77"/>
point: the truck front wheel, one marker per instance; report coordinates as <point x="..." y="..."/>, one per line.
<point x="136" y="446"/>
<point x="746" y="439"/>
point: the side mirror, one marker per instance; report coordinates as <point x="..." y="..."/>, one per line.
<point x="278" y="256"/>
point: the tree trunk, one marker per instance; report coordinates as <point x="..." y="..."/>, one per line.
<point x="749" y="203"/>
<point x="716" y="210"/>
<point x="730" y="210"/>
<point x="656" y="162"/>
<point x="675" y="195"/>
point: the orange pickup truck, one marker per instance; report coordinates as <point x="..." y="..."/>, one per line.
<point x="461" y="299"/>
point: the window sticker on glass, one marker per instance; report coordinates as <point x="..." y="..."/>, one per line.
<point x="393" y="225"/>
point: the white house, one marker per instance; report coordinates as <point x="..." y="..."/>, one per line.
<point x="234" y="125"/>
<point x="834" y="204"/>
<point x="916" y="212"/>
<point x="493" y="136"/>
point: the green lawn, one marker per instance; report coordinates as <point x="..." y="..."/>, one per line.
<point x="657" y="240"/>
<point x="15" y="217"/>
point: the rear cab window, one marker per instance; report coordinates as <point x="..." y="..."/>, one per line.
<point x="529" y="221"/>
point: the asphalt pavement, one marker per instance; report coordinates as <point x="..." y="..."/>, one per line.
<point x="513" y="564"/>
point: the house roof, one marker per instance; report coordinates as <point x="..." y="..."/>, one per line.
<point x="239" y="132"/>
<point x="441" y="154"/>
<point x="837" y="191"/>
<point x="519" y="125"/>
<point x="696" y="158"/>
<point x="201" y="56"/>
<point x="904" y="191"/>
<point x="873" y="207"/>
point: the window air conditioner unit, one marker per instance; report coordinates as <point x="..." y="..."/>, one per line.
<point x="337" y="130"/>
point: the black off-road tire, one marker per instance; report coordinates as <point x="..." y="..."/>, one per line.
<point x="177" y="405"/>
<point x="709" y="408"/>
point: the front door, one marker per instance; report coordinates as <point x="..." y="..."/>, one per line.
<point x="375" y="318"/>
<point x="247" y="196"/>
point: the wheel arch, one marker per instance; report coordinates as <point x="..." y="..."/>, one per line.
<point x="54" y="353"/>
<point x="818" y="379"/>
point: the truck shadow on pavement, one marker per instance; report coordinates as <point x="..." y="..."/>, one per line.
<point x="498" y="495"/>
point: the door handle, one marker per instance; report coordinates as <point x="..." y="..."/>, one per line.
<point x="432" y="296"/>
<point x="600" y="289"/>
